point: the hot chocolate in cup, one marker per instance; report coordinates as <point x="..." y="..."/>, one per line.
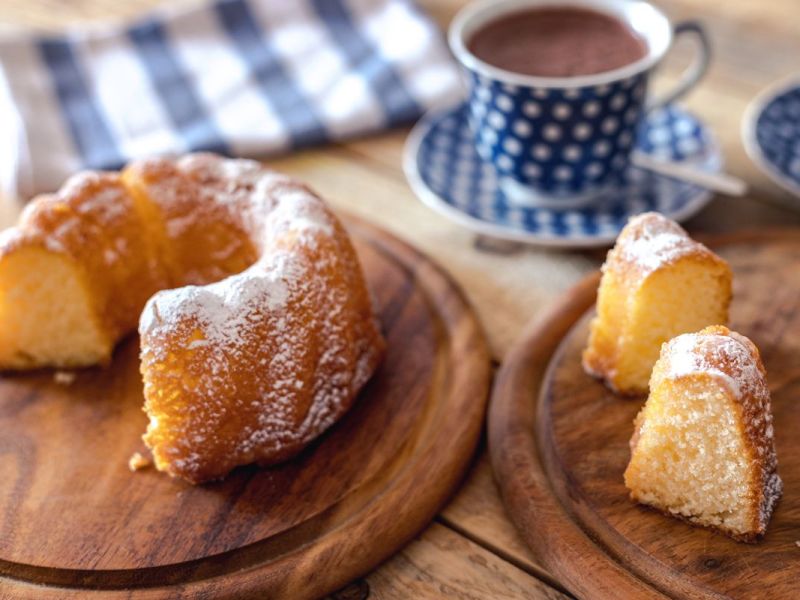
<point x="558" y="88"/>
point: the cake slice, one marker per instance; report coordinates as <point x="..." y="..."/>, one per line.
<point x="703" y="447"/>
<point x="657" y="283"/>
<point x="74" y="275"/>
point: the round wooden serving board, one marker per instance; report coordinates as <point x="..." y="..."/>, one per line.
<point x="76" y="523"/>
<point x="559" y="445"/>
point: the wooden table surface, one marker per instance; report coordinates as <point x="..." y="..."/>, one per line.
<point x="471" y="550"/>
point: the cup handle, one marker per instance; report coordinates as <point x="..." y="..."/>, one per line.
<point x="693" y="72"/>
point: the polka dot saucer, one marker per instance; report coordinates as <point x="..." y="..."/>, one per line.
<point x="446" y="172"/>
<point x="771" y="133"/>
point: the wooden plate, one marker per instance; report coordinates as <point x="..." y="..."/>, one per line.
<point x="559" y="445"/>
<point x="75" y="523"/>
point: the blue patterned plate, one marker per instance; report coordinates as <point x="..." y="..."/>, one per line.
<point x="447" y="174"/>
<point x="771" y="133"/>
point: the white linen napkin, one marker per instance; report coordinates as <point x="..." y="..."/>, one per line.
<point x="240" y="77"/>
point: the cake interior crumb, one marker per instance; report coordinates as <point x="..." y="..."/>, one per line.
<point x="138" y="462"/>
<point x="64" y="377"/>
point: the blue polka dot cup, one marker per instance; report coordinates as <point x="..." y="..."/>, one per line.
<point x="562" y="142"/>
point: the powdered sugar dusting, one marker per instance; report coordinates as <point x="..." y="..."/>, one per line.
<point x="726" y="357"/>
<point x="652" y="252"/>
<point x="220" y="308"/>
<point x="272" y="348"/>
<point x="89" y="208"/>
<point x="296" y="213"/>
<point x="651" y="240"/>
<point x="685" y="358"/>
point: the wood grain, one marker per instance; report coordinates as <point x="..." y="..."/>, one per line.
<point x="477" y="512"/>
<point x="560" y="459"/>
<point x="471" y="573"/>
<point x="74" y="521"/>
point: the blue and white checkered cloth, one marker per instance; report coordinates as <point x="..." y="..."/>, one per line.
<point x="240" y="77"/>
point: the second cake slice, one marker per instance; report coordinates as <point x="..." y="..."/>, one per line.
<point x="657" y="283"/>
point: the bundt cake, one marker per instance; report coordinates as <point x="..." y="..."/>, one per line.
<point x="657" y="283"/>
<point x="703" y="447"/>
<point x="255" y="322"/>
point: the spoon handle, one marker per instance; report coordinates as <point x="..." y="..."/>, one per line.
<point x="717" y="182"/>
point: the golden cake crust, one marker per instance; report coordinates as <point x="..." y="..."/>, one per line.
<point x="294" y="331"/>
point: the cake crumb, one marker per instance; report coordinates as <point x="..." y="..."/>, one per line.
<point x="797" y="543"/>
<point x="64" y="377"/>
<point x="138" y="462"/>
